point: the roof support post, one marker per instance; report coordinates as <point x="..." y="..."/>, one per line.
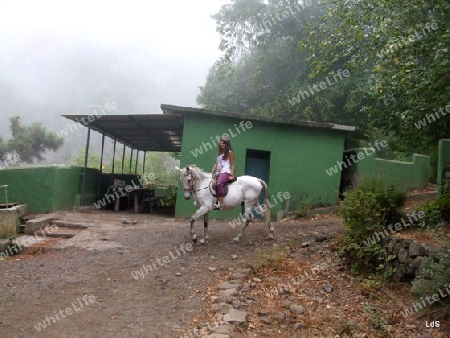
<point x="123" y="157"/>
<point x="143" y="164"/>
<point x="131" y="159"/>
<point x="114" y="155"/>
<point x="86" y="155"/>
<point x="137" y="160"/>
<point x="100" y="176"/>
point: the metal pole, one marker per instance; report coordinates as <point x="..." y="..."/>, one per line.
<point x="137" y="160"/>
<point x="123" y="157"/>
<point x="86" y="155"/>
<point x="131" y="159"/>
<point x="114" y="156"/>
<point x="143" y="164"/>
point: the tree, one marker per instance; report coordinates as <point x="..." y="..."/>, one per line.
<point x="29" y="142"/>
<point x="402" y="50"/>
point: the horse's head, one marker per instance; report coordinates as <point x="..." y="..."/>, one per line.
<point x="187" y="181"/>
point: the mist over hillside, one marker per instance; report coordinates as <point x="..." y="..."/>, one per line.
<point x="49" y="72"/>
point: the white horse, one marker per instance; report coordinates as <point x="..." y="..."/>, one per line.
<point x="245" y="190"/>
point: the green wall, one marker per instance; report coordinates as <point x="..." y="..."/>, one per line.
<point x="406" y="175"/>
<point x="299" y="157"/>
<point x="47" y="188"/>
<point x="443" y="158"/>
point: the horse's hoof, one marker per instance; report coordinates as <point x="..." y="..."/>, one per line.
<point x="271" y="237"/>
<point x="235" y="240"/>
<point x="202" y="241"/>
<point x="194" y="238"/>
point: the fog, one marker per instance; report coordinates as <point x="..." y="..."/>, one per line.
<point x="59" y="57"/>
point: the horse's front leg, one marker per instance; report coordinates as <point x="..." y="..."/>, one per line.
<point x="247" y="216"/>
<point x="202" y="211"/>
<point x="205" y="228"/>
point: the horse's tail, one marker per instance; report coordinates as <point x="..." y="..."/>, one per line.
<point x="266" y="202"/>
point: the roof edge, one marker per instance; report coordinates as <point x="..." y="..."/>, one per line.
<point x="172" y="109"/>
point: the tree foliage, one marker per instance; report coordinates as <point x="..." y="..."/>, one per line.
<point x="30" y="142"/>
<point x="402" y="50"/>
<point x="396" y="53"/>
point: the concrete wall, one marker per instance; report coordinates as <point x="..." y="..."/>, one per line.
<point x="47" y="188"/>
<point x="405" y="175"/>
<point x="443" y="158"/>
<point x="299" y="157"/>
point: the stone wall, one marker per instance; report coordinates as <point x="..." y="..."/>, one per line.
<point x="406" y="256"/>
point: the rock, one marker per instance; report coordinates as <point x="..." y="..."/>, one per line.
<point x="245" y="288"/>
<point x="416" y="249"/>
<point x="280" y="317"/>
<point x="235" y="317"/>
<point x="226" y="285"/>
<point x="223" y="329"/>
<point x="216" y="335"/>
<point x="212" y="269"/>
<point x="286" y="304"/>
<point x="263" y="313"/>
<point x="241" y="273"/>
<point x="297" y="309"/>
<point x="221" y="308"/>
<point x="178" y="274"/>
<point x="236" y="304"/>
<point x="234" y="257"/>
<point x="305" y="244"/>
<point x="299" y="326"/>
<point x="266" y="320"/>
<point x="327" y="287"/>
<point x="257" y="280"/>
<point x="403" y="255"/>
<point x="320" y="237"/>
<point x="227" y="295"/>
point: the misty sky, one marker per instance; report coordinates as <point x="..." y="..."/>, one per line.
<point x="74" y="56"/>
<point x="163" y="47"/>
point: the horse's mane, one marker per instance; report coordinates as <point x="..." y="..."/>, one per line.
<point x="200" y="170"/>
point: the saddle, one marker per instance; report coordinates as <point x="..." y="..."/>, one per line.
<point x="213" y="185"/>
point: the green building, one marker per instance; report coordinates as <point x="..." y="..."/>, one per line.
<point x="291" y="156"/>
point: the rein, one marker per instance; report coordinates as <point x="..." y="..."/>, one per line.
<point x="191" y="188"/>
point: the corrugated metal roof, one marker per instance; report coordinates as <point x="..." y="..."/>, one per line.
<point x="164" y="132"/>
<point x="144" y="132"/>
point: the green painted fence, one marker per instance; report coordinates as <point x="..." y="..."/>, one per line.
<point x="406" y="175"/>
<point x="48" y="188"/>
<point x="443" y="159"/>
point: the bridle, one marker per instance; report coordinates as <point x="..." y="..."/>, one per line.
<point x="191" y="187"/>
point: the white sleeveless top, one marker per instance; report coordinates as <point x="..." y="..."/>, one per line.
<point x="224" y="166"/>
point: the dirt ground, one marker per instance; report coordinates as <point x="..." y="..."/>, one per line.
<point x="95" y="285"/>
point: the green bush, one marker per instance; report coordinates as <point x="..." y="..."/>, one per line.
<point x="437" y="213"/>
<point x="368" y="209"/>
<point x="434" y="279"/>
